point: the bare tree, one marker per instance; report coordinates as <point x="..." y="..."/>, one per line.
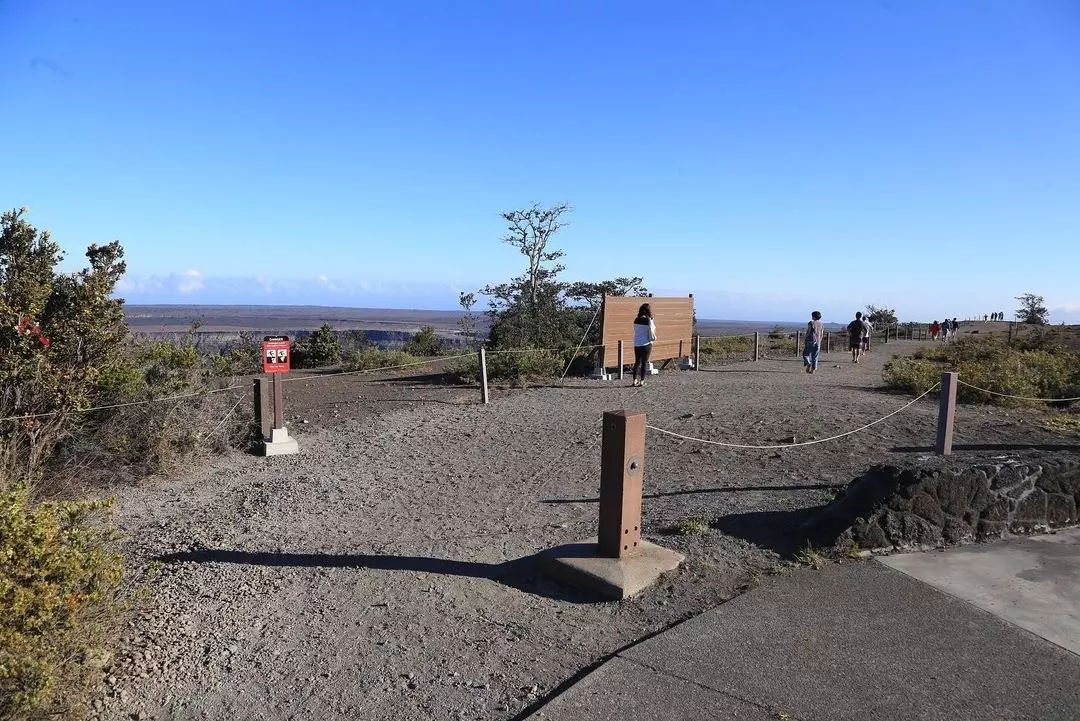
<point x="529" y="231"/>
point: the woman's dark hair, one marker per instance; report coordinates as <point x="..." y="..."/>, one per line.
<point x="644" y="310"/>
<point x="816" y="315"/>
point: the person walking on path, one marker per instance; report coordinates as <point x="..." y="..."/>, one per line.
<point x="815" y="331"/>
<point x="856" y="331"/>
<point x="866" y="333"/>
<point x="644" y="337"/>
<point x="945" y="327"/>
<point x="935" y="328"/>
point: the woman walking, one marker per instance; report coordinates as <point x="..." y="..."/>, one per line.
<point x="815" y="330"/>
<point x="644" y="336"/>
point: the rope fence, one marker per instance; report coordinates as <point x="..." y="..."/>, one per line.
<point x="1019" y="398"/>
<point x="129" y="404"/>
<point x="797" y="445"/>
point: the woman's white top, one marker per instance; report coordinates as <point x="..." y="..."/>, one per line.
<point x="644" y="334"/>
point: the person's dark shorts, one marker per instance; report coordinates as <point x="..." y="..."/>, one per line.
<point x="855" y="342"/>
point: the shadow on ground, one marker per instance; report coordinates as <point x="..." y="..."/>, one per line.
<point x="522" y="574"/>
<point x="992" y="447"/>
<point x="726" y="489"/>
<point x="782" y="532"/>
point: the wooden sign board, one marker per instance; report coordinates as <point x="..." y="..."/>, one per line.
<point x="674" y="318"/>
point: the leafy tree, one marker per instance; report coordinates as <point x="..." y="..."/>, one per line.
<point x="526" y="310"/>
<point x="1032" y="309"/>
<point x="321" y="348"/>
<point x="425" y="343"/>
<point x="538" y="309"/>
<point x="881" y="316"/>
<point x="58" y="333"/>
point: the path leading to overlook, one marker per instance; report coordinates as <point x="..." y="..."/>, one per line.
<point x="379" y="573"/>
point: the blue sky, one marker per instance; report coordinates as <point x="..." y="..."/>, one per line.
<point x="770" y="157"/>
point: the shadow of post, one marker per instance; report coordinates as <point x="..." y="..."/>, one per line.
<point x="522" y="574"/>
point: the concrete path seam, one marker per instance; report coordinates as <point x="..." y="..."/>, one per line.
<point x="764" y="707"/>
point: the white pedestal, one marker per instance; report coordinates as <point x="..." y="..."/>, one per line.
<point x="280" y="444"/>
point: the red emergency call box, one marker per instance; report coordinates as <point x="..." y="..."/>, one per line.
<point x="275" y="353"/>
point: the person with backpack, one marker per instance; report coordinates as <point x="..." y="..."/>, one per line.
<point x="815" y="331"/>
<point x="856" y="330"/>
<point x="945" y="325"/>
<point x="935" y="328"/>
<point x="644" y="337"/>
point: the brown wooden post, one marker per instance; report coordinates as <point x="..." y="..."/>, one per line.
<point x="279" y="400"/>
<point x="757" y="345"/>
<point x="1011" y="324"/>
<point x="484" y="397"/>
<point x="697" y="352"/>
<point x="262" y="411"/>
<point x="680" y="352"/>
<point x="622" y="460"/>
<point x="946" y="414"/>
<point x="828" y="341"/>
<point x="622" y="360"/>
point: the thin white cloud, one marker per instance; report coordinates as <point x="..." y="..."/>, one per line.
<point x="190" y="281"/>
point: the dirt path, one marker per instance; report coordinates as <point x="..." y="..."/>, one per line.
<point x="374" y="575"/>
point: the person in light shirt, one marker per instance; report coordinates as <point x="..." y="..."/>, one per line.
<point x="815" y="331"/>
<point x="644" y="337"/>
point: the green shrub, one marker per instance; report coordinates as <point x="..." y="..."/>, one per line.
<point x="725" y="348"/>
<point x="520" y="365"/>
<point x="912" y="375"/>
<point x="58" y="592"/>
<point x="425" y="343"/>
<point x="374" y="359"/>
<point x="58" y="331"/>
<point x="320" y="349"/>
<point x="993" y="365"/>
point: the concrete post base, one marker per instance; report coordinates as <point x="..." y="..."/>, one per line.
<point x="280" y="444"/>
<point x="601" y="374"/>
<point x="580" y="564"/>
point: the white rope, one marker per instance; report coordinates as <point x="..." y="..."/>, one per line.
<point x="1019" y="398"/>
<point x="424" y="362"/>
<point x="227" y="415"/>
<point x="121" y="405"/>
<point x="795" y="445"/>
<point x="578" y="349"/>
<point x="538" y="350"/>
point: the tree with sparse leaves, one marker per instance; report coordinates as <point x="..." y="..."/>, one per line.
<point x="538" y="309"/>
<point x="1032" y="310"/>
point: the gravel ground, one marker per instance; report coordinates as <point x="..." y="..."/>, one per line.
<point x="377" y="573"/>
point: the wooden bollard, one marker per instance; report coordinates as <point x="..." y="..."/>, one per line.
<point x="263" y="414"/>
<point x="946" y="414"/>
<point x="697" y="352"/>
<point x="757" y="345"/>
<point x="622" y="468"/>
<point x="484" y="397"/>
<point x="828" y="342"/>
<point x="622" y="360"/>
<point x="798" y="341"/>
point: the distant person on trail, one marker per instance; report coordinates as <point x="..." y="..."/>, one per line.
<point x="984" y="317"/>
<point x="945" y="330"/>
<point x="815" y="331"/>
<point x="866" y="333"/>
<point x="856" y="330"/>
<point x="644" y="336"/>
<point x="935" y="328"/>
<point x="954" y="327"/>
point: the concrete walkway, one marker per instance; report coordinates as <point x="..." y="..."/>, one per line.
<point x="857" y="641"/>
